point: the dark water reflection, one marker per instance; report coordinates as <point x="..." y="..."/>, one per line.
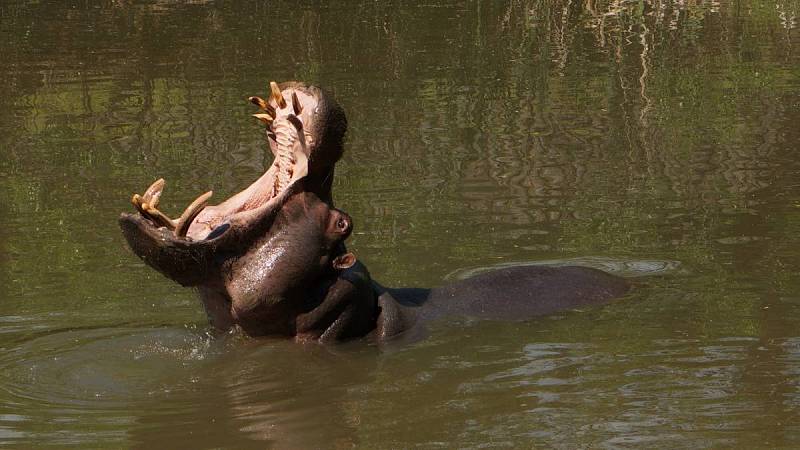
<point x="655" y="139"/>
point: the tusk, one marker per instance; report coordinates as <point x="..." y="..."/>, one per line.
<point x="261" y="103"/>
<point x="157" y="216"/>
<point x="153" y="193"/>
<point x="266" y="118"/>
<point x="149" y="211"/>
<point x="276" y="94"/>
<point x="298" y="108"/>
<point x="146" y="205"/>
<point x="136" y="200"/>
<point x="258" y="101"/>
<point x="182" y="225"/>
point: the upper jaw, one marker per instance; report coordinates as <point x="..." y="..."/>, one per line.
<point x="290" y="118"/>
<point x="185" y="248"/>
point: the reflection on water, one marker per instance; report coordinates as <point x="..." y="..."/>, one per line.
<point x="627" y="269"/>
<point x="655" y="140"/>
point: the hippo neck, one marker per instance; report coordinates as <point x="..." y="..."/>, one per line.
<point x="347" y="309"/>
<point x="352" y="305"/>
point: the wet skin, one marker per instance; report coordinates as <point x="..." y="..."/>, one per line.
<point x="510" y="294"/>
<point x="272" y="261"/>
<point x="252" y="256"/>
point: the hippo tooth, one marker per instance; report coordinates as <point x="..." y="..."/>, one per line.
<point x="276" y="94"/>
<point x="270" y="110"/>
<point x="182" y="226"/>
<point x="154" y="198"/>
<point x="136" y="200"/>
<point x="261" y="103"/>
<point x="266" y="118"/>
<point x="157" y="217"/>
<point x="298" y="108"/>
<point x="258" y="101"/>
<point x="153" y="193"/>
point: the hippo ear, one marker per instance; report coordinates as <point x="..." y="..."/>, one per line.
<point x="345" y="261"/>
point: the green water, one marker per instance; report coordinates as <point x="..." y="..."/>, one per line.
<point x="657" y="140"/>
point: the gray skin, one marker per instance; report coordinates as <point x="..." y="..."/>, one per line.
<point x="271" y="259"/>
<point x="509" y="294"/>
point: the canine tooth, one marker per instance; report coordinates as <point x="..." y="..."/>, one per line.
<point x="153" y="194"/>
<point x="182" y="225"/>
<point x="154" y="199"/>
<point x="258" y="101"/>
<point x="266" y="118"/>
<point x="261" y="103"/>
<point x="298" y="108"/>
<point x="276" y="94"/>
<point x="158" y="217"/>
<point x="140" y="205"/>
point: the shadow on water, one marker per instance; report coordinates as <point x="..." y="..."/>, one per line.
<point x="654" y="139"/>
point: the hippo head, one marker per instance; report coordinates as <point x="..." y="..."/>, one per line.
<point x="254" y="255"/>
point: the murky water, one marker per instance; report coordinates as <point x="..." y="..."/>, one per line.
<point x="657" y="140"/>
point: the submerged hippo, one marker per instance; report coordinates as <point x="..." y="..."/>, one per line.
<point x="272" y="260"/>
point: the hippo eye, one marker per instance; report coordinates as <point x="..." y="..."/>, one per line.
<point x="341" y="224"/>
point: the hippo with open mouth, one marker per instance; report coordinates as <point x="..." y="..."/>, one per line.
<point x="272" y="260"/>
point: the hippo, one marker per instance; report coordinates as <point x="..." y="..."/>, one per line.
<point x="272" y="260"/>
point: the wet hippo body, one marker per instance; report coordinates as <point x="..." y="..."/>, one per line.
<point x="511" y="294"/>
<point x="253" y="256"/>
<point x="271" y="259"/>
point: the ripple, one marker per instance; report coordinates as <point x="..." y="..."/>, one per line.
<point x="622" y="267"/>
<point x="99" y="370"/>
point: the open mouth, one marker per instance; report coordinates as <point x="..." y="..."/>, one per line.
<point x="288" y="115"/>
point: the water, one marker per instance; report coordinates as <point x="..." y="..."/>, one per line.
<point x="656" y="140"/>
